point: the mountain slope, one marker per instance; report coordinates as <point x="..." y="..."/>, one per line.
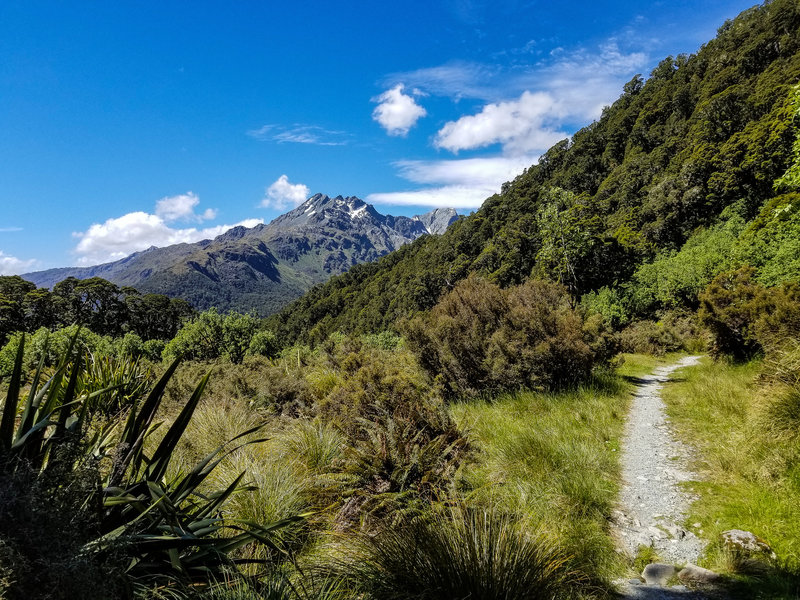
<point x="702" y="139"/>
<point x="262" y="268"/>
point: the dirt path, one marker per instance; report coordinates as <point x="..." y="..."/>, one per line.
<point x="653" y="505"/>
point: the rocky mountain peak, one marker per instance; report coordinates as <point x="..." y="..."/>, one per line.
<point x="438" y="220"/>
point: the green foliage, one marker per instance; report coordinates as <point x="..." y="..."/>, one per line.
<point x="459" y="552"/>
<point x="130" y="345"/>
<point x="144" y="525"/>
<point x="676" y="279"/>
<point x="153" y="349"/>
<point x="771" y="242"/>
<point x="51" y="347"/>
<point x="385" y="340"/>
<point x="264" y="343"/>
<point x="211" y="335"/>
<point x="480" y="338"/>
<point x="608" y="303"/>
<point x="791" y="178"/>
<point x="745" y="318"/>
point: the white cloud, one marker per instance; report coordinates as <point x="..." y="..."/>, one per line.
<point x="526" y="108"/>
<point x="454" y="196"/>
<point x="181" y="207"/>
<point x="454" y="183"/>
<point x="11" y="265"/>
<point x="120" y="236"/>
<point x="523" y="125"/>
<point x="282" y="194"/>
<point x="456" y="79"/>
<point x="582" y="77"/>
<point x="397" y="112"/>
<point x="299" y="134"/>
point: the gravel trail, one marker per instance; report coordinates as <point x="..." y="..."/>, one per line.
<point x="652" y="505"/>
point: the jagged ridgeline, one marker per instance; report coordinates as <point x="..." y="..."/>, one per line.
<point x="700" y="142"/>
<point x="261" y="269"/>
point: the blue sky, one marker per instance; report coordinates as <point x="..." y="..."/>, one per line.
<point x="126" y="125"/>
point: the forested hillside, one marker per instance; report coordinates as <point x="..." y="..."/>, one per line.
<point x="682" y="174"/>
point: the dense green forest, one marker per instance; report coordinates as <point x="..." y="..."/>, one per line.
<point x="680" y="179"/>
<point x="444" y="422"/>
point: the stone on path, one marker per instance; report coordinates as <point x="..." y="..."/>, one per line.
<point x="658" y="573"/>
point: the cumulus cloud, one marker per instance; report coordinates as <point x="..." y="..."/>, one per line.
<point x="11" y="265"/>
<point x="120" y="236"/>
<point x="526" y="107"/>
<point x="282" y="194"/>
<point x="181" y="207"/>
<point x="454" y="183"/>
<point x="523" y="125"/>
<point x="397" y="112"/>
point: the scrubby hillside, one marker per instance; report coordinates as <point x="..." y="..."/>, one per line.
<point x="695" y="148"/>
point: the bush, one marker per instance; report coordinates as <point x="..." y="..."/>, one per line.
<point x="52" y="345"/>
<point x="745" y="318"/>
<point x="212" y="335"/>
<point x="675" y="331"/>
<point x="130" y="345"/>
<point x="264" y="343"/>
<point x="481" y="338"/>
<point x="152" y="349"/>
<point x="402" y="447"/>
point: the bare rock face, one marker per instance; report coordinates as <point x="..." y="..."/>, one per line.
<point x="694" y="574"/>
<point x="658" y="573"/>
<point x="746" y="544"/>
<point x="438" y="220"/>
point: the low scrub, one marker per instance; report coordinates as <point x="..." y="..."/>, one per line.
<point x="480" y="338"/>
<point x="745" y="318"/>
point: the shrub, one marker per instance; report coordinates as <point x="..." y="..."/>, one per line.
<point x="650" y="337"/>
<point x="264" y="343"/>
<point x="152" y="349"/>
<point x="608" y="303"/>
<point x="745" y="318"/>
<point x="130" y="345"/>
<point x="482" y="338"/>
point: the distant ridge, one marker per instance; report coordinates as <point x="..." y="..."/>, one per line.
<point x="262" y="268"/>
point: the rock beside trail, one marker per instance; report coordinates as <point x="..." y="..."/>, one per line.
<point x="745" y="544"/>
<point x="698" y="575"/>
<point x="658" y="573"/>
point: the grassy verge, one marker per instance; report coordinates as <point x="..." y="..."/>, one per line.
<point x="748" y="461"/>
<point x="553" y="460"/>
<point x="638" y="365"/>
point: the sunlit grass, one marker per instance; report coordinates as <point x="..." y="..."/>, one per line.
<point x="554" y="460"/>
<point x="747" y="458"/>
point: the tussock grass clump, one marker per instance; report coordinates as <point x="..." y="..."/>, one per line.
<point x="459" y="552"/>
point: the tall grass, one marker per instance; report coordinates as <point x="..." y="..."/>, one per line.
<point x="457" y="553"/>
<point x="748" y="451"/>
<point x="553" y="459"/>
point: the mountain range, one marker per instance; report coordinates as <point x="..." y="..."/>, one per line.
<point x="260" y="269"/>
